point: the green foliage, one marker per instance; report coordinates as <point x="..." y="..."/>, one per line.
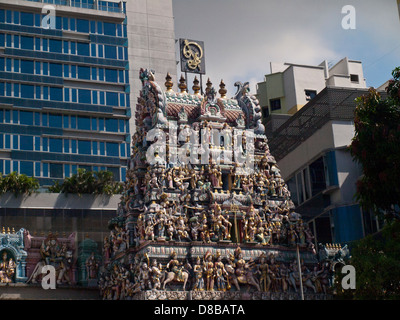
<point x="376" y="145"/>
<point x="376" y="260"/>
<point x="88" y="182"/>
<point x="18" y="184"/>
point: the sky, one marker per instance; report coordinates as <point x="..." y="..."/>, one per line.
<point x="242" y="37"/>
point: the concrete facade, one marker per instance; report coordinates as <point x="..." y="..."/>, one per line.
<point x="151" y="38"/>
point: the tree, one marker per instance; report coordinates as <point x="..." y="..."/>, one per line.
<point x="88" y="182"/>
<point x="376" y="146"/>
<point x="376" y="261"/>
<point x="18" y="184"/>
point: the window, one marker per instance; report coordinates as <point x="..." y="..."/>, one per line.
<point x="109" y="29"/>
<point x="55" y="145"/>
<point x="26" y="143"/>
<point x="112" y="149"/>
<point x="111" y="125"/>
<point x="84" y="96"/>
<point x="45" y="169"/>
<point x="317" y="176"/>
<point x="83" y="49"/>
<point x="111" y="75"/>
<point x="56" y="94"/>
<point x="56" y="70"/>
<point x="84" y="147"/>
<point x="82" y="25"/>
<point x="354" y="78"/>
<point x="56" y="170"/>
<point x="26" y="118"/>
<point x="55" y="120"/>
<point x="55" y="45"/>
<point x="26" y="43"/>
<point x="83" y="123"/>
<point x="275" y="104"/>
<point x="310" y="94"/>
<point x="66" y="146"/>
<point x="84" y="73"/>
<point x="26" y="66"/>
<point x="112" y="98"/>
<point x="110" y="52"/>
<point x="27" y="91"/>
<point x="26" y="167"/>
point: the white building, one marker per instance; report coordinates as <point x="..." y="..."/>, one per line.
<point x="290" y="86"/>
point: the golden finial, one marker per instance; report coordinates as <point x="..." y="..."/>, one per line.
<point x="182" y="84"/>
<point x="8" y="230"/>
<point x="4" y="230"/>
<point x="196" y="87"/>
<point x="13" y="231"/>
<point x="168" y="83"/>
<point x="222" y="91"/>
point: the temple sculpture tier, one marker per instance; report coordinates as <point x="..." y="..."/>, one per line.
<point x="205" y="210"/>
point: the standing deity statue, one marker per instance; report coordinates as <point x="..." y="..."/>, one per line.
<point x="220" y="273"/>
<point x="198" y="272"/>
<point x="209" y="271"/>
<point x="92" y="267"/>
<point x="7" y="269"/>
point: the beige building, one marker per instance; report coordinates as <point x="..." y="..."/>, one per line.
<point x="290" y="86"/>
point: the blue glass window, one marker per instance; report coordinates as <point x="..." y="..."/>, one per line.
<point x="9" y="40"/>
<point x="16" y="42"/>
<point x="94" y="124"/>
<point x="73" y="95"/>
<point x="82" y="25"/>
<point x="37" y="67"/>
<point x="37" y="143"/>
<point x="112" y="125"/>
<point x="73" y="122"/>
<point x="26" y="118"/>
<point x="45" y="68"/>
<point x="101" y="124"/>
<point x="26" y="167"/>
<point x="73" y="71"/>
<point x="44" y="120"/>
<point x="123" y="173"/>
<point x="56" y="94"/>
<point x="101" y="74"/>
<point x="83" y="49"/>
<point x="55" y="120"/>
<point x="45" y="169"/>
<point x="7" y="141"/>
<point x="121" y="126"/>
<point x="55" y="145"/>
<point x="2" y="38"/>
<point x="122" y="149"/>
<point x="84" y="96"/>
<point x="8" y="89"/>
<point x="8" y="64"/>
<point x="94" y="97"/>
<point x="120" y="53"/>
<point x="66" y="94"/>
<point x="1" y="147"/>
<point x="16" y="90"/>
<point x="27" y="19"/>
<point x="45" y="145"/>
<point x="38" y="92"/>
<point x="73" y="146"/>
<point x="100" y="51"/>
<point x="55" y="45"/>
<point x="45" y="93"/>
<point x="95" y="148"/>
<point x="66" y="146"/>
<point x="93" y="50"/>
<point x="65" y="23"/>
<point x="45" y="46"/>
<point x="112" y="98"/>
<point x="66" y="71"/>
<point x="37" y="118"/>
<point x="2" y="65"/>
<point x="2" y="19"/>
<point x="37" y="44"/>
<point x="102" y="149"/>
<point x="109" y="29"/>
<point x="7" y="166"/>
<point x="100" y="27"/>
<point x="38" y="20"/>
<point x="27" y="66"/>
<point x="56" y="69"/>
<point x="84" y="147"/>
<point x="73" y="47"/>
<point x="1" y="88"/>
<point x="15" y="142"/>
<point x="122" y="100"/>
<point x="83" y="73"/>
<point x="72" y="23"/>
<point x="111" y="75"/>
<point x="110" y="52"/>
<point x="37" y="169"/>
<point x="83" y="123"/>
<point x="16" y="17"/>
<point x="92" y="26"/>
<point x="121" y="76"/>
<point x="65" y="121"/>
<point x="56" y="170"/>
<point x="26" y="143"/>
<point x="16" y="65"/>
<point x="27" y="91"/>
<point x="26" y="42"/>
<point x="67" y="170"/>
<point x="94" y="73"/>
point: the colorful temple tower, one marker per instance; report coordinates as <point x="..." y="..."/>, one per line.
<point x="205" y="213"/>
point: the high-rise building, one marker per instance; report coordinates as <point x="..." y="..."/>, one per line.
<point x="65" y="96"/>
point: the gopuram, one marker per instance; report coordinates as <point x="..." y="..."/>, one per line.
<point x="205" y="213"/>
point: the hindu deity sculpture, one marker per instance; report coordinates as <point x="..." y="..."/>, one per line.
<point x="7" y="268"/>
